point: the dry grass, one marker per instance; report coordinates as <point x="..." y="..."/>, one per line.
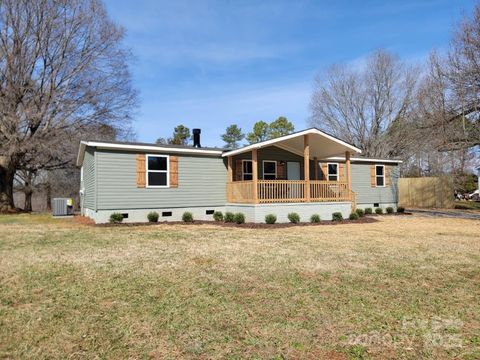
<point x="74" y="291"/>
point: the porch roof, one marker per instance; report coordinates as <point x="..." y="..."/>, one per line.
<point x="322" y="145"/>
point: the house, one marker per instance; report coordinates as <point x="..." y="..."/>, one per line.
<point x="308" y="172"/>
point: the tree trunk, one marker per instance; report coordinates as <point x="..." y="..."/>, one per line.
<point x="48" y="190"/>
<point x="6" y="189"/>
<point x="28" y="200"/>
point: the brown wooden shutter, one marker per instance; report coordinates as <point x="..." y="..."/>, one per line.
<point x="281" y="170"/>
<point x="324" y="168"/>
<point x="173" y="168"/>
<point x="387" y="175"/>
<point x="373" y="180"/>
<point x="341" y="172"/>
<point x="238" y="170"/>
<point x="141" y="171"/>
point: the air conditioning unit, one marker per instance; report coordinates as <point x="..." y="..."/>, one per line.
<point x="62" y="206"/>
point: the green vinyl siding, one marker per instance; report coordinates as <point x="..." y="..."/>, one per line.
<point x="201" y="182"/>
<point x="366" y="194"/>
<point x="89" y="179"/>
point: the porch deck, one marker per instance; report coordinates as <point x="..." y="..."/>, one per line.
<point x="288" y="191"/>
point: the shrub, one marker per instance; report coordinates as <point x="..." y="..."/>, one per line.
<point x="354" y="216"/>
<point x="337" y="216"/>
<point x="152" y="216"/>
<point x="187" y="216"/>
<point x="368" y="211"/>
<point x="293" y="217"/>
<point x="315" y="218"/>
<point x="400" y="210"/>
<point x="239" y="218"/>
<point x="116" y="218"/>
<point x="360" y="212"/>
<point x="379" y="211"/>
<point x="229" y="217"/>
<point x="218" y="216"/>
<point x="389" y="210"/>
<point x="270" y="219"/>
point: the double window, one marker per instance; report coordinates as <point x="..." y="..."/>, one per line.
<point x="380" y="175"/>
<point x="269" y="170"/>
<point x="157" y="171"/>
<point x="247" y="170"/>
<point x="332" y="172"/>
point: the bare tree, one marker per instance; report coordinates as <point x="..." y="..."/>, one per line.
<point x="62" y="68"/>
<point x="366" y="106"/>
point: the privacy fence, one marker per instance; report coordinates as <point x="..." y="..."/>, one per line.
<point x="426" y="192"/>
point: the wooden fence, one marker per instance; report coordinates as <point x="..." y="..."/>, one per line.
<point x="426" y="192"/>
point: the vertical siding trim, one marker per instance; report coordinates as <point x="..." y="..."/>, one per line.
<point x="95" y="187"/>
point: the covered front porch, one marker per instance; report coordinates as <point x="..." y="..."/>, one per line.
<point x="288" y="170"/>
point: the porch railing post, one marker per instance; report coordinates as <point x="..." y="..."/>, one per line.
<point x="229" y="179"/>
<point x="306" y="166"/>
<point x="255" y="176"/>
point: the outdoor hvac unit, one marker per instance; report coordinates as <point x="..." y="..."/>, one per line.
<point x="62" y="206"/>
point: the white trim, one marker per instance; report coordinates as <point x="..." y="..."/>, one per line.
<point x="287" y="137"/>
<point x="157" y="171"/>
<point x="104" y="145"/>
<point x="263" y="168"/>
<point x="390" y="161"/>
<point x="246" y="160"/>
<point x="384" y="176"/>
<point x="328" y="172"/>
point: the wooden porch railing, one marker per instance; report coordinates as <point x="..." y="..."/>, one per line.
<point x="281" y="191"/>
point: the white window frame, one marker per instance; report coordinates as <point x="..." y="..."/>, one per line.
<point x="263" y="168"/>
<point x="243" y="167"/>
<point x="157" y="171"/>
<point x="81" y="173"/>
<point x="328" y="171"/>
<point x="377" y="176"/>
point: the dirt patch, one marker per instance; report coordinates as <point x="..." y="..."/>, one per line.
<point x="83" y="220"/>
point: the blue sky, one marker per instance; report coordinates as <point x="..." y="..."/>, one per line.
<point x="209" y="64"/>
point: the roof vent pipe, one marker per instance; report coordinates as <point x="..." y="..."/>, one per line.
<point x="196" y="138"/>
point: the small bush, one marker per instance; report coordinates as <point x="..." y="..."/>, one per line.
<point x="218" y="216"/>
<point x="337" y="216"/>
<point x="368" y="211"/>
<point x="389" y="210"/>
<point x="400" y="210"/>
<point x="315" y="218"/>
<point x="187" y="216"/>
<point x="360" y="212"/>
<point x="229" y="217"/>
<point x="354" y="216"/>
<point x="270" y="219"/>
<point x="293" y="217"/>
<point x="239" y="218"/>
<point x="152" y="216"/>
<point x="379" y="211"/>
<point x="116" y="218"/>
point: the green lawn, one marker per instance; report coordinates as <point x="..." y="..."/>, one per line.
<point x="405" y="286"/>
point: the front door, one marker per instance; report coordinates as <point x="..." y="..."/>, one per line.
<point x="295" y="191"/>
<point x="293" y="170"/>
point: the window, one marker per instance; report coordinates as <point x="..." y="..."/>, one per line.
<point x="247" y="170"/>
<point x="269" y="170"/>
<point x="157" y="171"/>
<point x="380" y="175"/>
<point x="332" y="169"/>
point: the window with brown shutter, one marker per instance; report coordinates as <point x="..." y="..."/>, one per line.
<point x="141" y="171"/>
